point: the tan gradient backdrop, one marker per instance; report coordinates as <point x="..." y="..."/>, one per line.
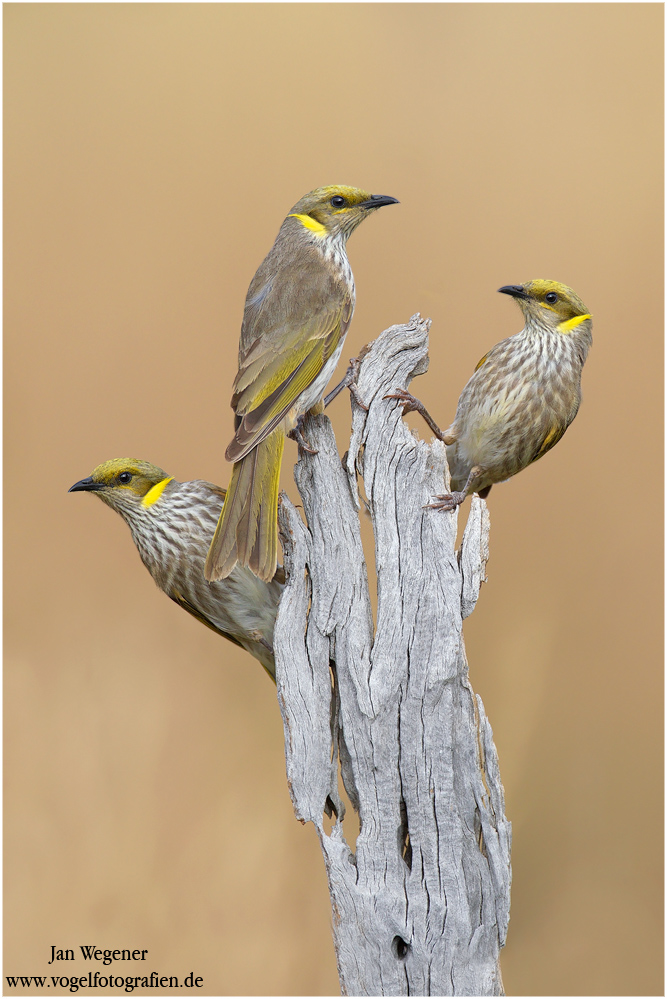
<point x="151" y="154"/>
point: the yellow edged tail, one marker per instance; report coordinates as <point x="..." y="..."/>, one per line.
<point x="247" y="530"/>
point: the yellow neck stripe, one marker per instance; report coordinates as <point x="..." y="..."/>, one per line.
<point x="571" y="324"/>
<point x="309" y="223"/>
<point x="154" y="493"/>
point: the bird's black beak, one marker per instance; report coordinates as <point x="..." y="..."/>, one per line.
<point x="515" y="290"/>
<point x="86" y="485"/>
<point x="378" y="200"/>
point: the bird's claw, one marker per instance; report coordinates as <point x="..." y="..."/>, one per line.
<point x="413" y="405"/>
<point x="447" y="501"/>
<point x="410" y="404"/>
<point x="297" y="436"/>
<point x="349" y="381"/>
<point x="356" y="395"/>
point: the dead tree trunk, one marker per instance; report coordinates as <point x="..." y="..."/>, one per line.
<point x="422" y="905"/>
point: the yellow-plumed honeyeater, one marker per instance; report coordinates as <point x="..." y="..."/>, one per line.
<point x="523" y="395"/>
<point x="172" y="524"/>
<point x="297" y="311"/>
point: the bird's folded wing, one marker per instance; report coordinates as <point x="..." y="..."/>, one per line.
<point x="274" y="374"/>
<point x="191" y="609"/>
<point x="551" y="437"/>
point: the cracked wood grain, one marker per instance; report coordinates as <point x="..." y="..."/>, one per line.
<point x="422" y="905"/>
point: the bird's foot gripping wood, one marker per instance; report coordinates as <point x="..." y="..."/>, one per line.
<point x="448" y="501"/>
<point x="297" y="436"/>
<point x="349" y="381"/>
<point x="413" y="405"/>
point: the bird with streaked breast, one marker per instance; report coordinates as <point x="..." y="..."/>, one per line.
<point x="172" y="524"/>
<point x="522" y="396"/>
<point x="297" y="312"/>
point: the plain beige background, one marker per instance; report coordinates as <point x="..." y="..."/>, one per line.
<point x="151" y="152"/>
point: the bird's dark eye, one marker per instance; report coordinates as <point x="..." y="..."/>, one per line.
<point x="551" y="297"/>
<point x="337" y="201"/>
<point x="125" y="477"/>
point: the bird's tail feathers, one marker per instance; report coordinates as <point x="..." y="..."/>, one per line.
<point x="247" y="530"/>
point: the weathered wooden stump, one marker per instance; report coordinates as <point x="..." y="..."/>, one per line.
<point x="422" y="905"/>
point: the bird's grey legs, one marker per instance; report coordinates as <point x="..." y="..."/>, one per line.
<point x="413" y="405"/>
<point x="296" y="435"/>
<point x="450" y="501"/>
<point x="349" y="381"/>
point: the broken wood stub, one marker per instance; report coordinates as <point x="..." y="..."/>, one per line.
<point x="421" y="906"/>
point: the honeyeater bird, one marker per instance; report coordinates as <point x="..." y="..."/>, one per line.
<point x="172" y="524"/>
<point x="523" y="395"/>
<point x="297" y="311"/>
